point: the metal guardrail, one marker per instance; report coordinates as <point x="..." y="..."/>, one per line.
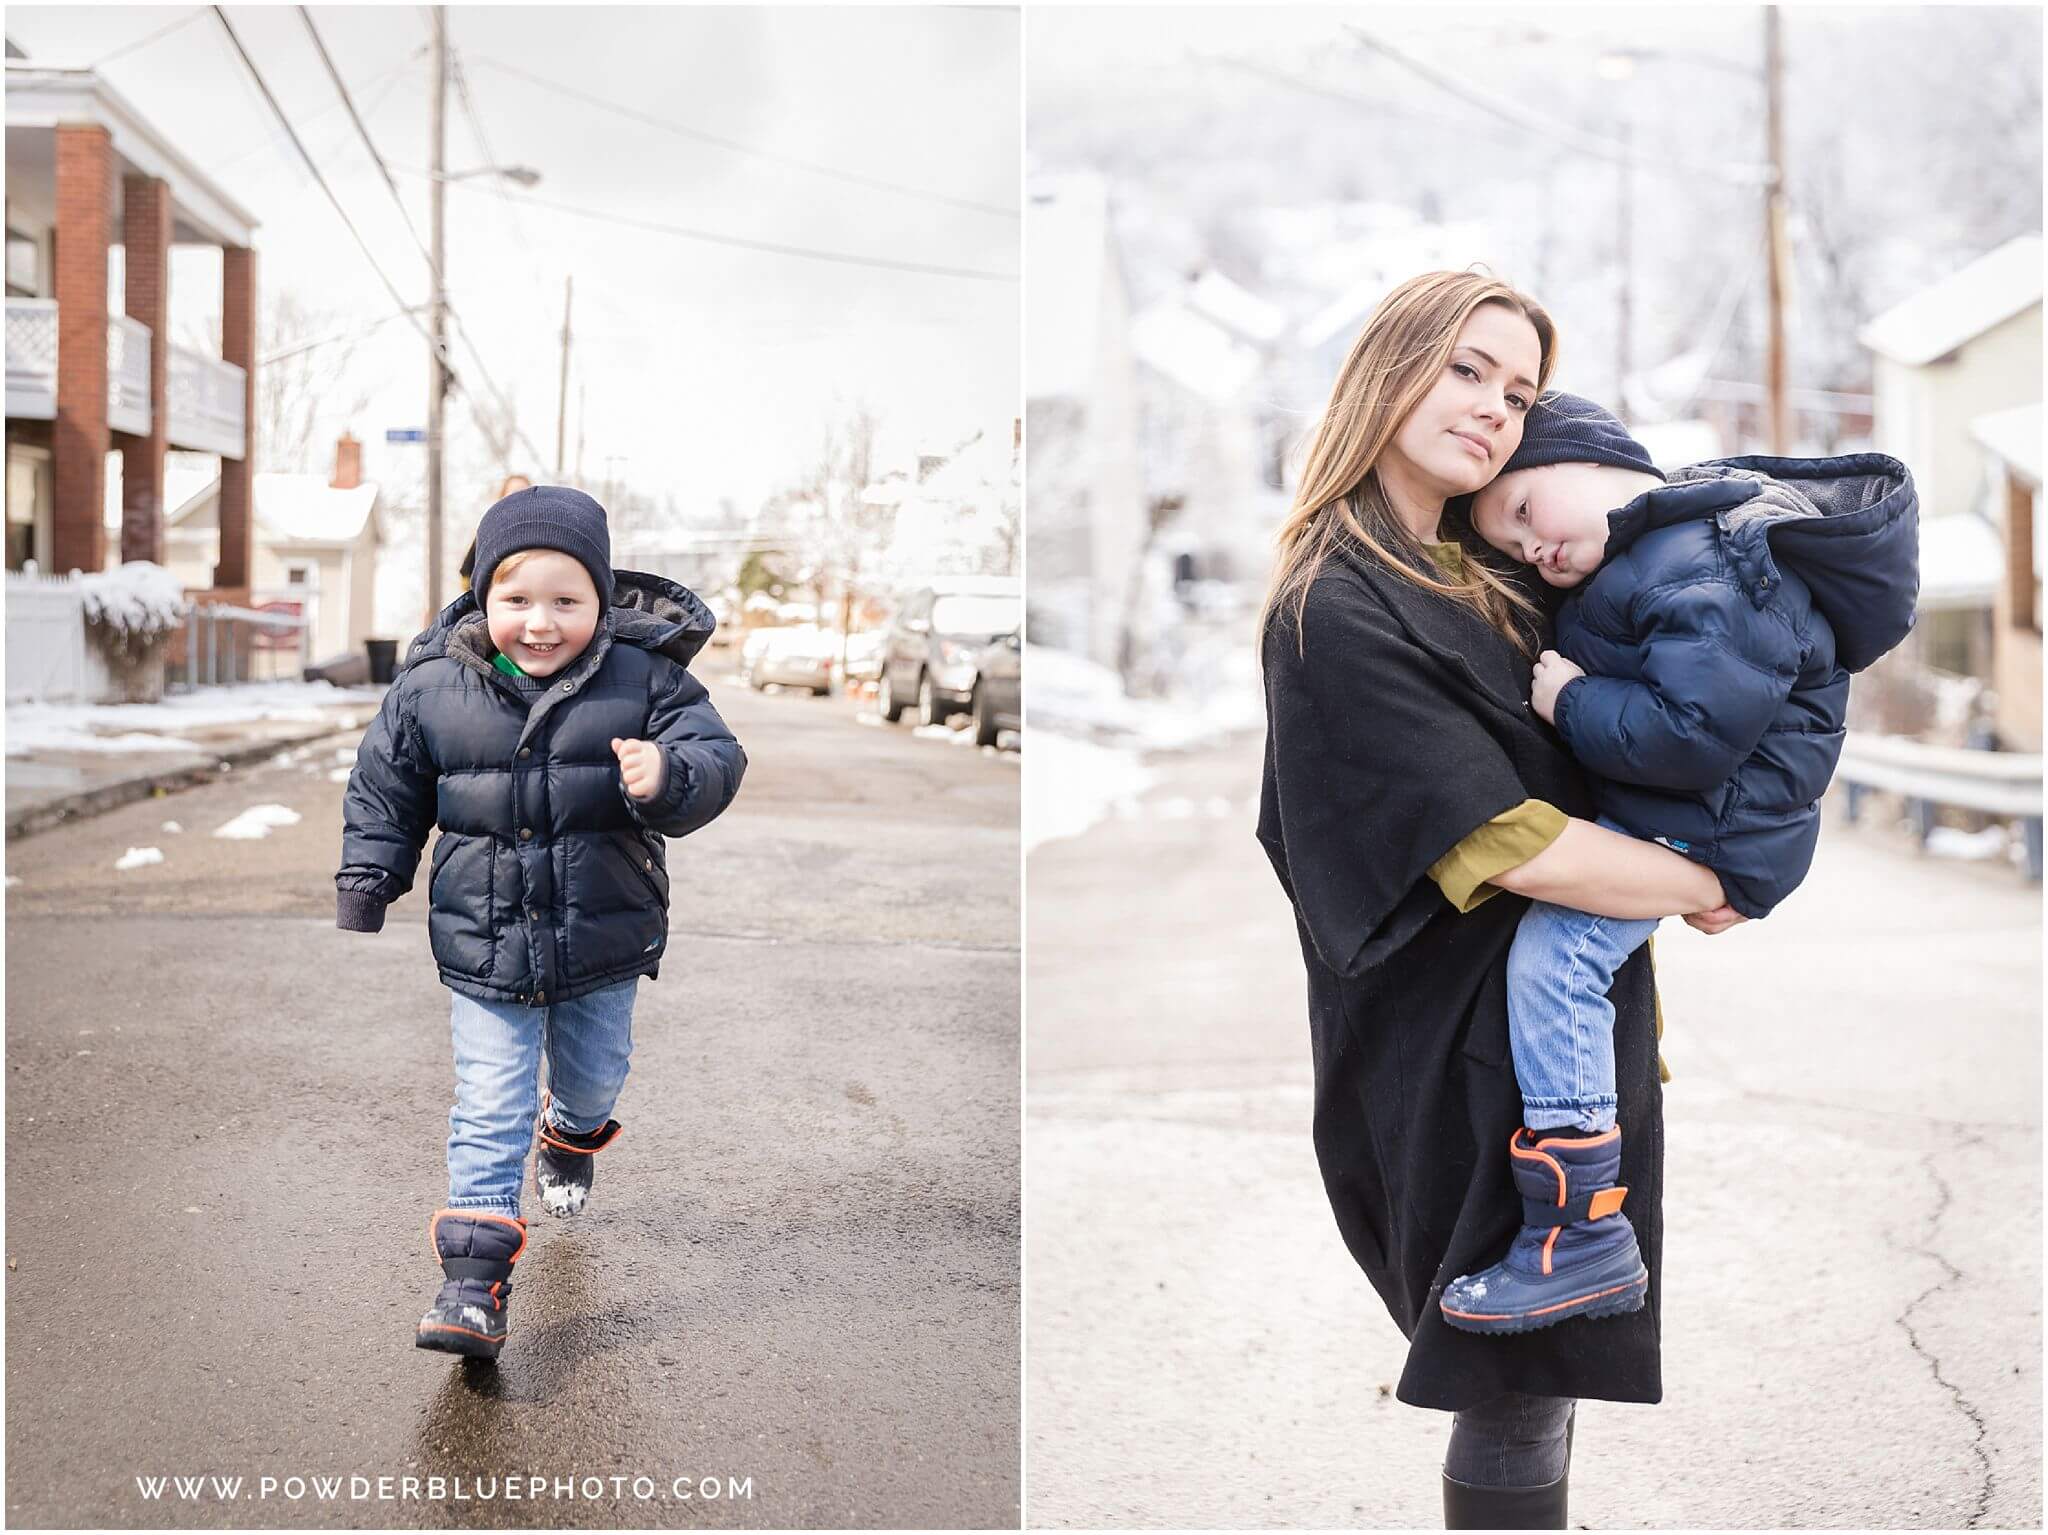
<point x="1996" y="783"/>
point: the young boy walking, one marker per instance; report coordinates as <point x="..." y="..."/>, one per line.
<point x="549" y="725"/>
<point x="1701" y="677"/>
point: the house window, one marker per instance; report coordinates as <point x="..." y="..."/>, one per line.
<point x="295" y="575"/>
<point x="28" y="507"/>
<point x="23" y="265"/>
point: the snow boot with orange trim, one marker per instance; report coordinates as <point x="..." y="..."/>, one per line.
<point x="564" y="1167"/>
<point x="477" y="1249"/>
<point x="1576" y="1253"/>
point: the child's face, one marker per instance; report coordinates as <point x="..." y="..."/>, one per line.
<point x="1553" y="517"/>
<point x="543" y="614"/>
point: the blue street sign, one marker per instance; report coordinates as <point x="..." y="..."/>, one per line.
<point x="405" y="434"/>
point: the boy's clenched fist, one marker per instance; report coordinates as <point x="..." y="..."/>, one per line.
<point x="641" y="765"/>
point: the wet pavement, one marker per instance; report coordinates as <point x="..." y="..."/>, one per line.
<point x="793" y="1301"/>
<point x="1853" y="1244"/>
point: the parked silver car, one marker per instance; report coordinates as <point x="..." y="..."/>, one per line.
<point x="932" y="655"/>
<point x="799" y="657"/>
<point x="998" y="697"/>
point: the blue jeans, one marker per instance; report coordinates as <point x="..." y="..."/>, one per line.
<point x="1560" y="1023"/>
<point x="587" y="1041"/>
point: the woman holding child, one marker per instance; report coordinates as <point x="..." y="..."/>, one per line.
<point x="1407" y="780"/>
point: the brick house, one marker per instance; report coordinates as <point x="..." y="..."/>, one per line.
<point x="91" y="371"/>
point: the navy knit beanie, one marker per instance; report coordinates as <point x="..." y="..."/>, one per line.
<point x="1565" y="429"/>
<point x="546" y="517"/>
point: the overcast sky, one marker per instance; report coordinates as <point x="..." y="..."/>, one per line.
<point x="711" y="370"/>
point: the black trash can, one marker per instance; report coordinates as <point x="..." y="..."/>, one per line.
<point x="383" y="660"/>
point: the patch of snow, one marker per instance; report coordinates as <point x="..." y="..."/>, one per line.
<point x="1071" y="784"/>
<point x="172" y="826"/>
<point x="13" y="880"/>
<point x="338" y="775"/>
<point x="136" y="857"/>
<point x="33" y="727"/>
<point x="1970" y="846"/>
<point x="932" y="732"/>
<point x="23" y="743"/>
<point x="257" y="821"/>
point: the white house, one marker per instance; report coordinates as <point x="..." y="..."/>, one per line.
<point x="1088" y="515"/>
<point x="2011" y="444"/>
<point x="316" y="543"/>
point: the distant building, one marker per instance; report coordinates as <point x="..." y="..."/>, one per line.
<point x="2011" y="443"/>
<point x="1088" y="516"/>
<point x="1965" y="349"/>
<point x="91" y="372"/>
<point x="316" y="544"/>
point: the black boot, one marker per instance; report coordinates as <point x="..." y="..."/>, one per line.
<point x="477" y="1249"/>
<point x="564" y="1168"/>
<point x="1506" y="1508"/>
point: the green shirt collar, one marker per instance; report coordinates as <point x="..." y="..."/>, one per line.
<point x="507" y="665"/>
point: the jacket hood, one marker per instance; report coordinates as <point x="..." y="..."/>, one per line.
<point x="1849" y="527"/>
<point x="652" y="612"/>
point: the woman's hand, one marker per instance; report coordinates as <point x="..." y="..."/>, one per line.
<point x="640" y="765"/>
<point x="1552" y="672"/>
<point x="1717" y="920"/>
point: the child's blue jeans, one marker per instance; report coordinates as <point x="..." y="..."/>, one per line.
<point x="587" y="1041"/>
<point x="1560" y="1023"/>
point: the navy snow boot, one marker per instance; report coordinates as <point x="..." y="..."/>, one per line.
<point x="564" y="1167"/>
<point x="477" y="1249"/>
<point x="1576" y="1253"/>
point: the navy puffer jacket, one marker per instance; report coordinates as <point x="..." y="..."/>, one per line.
<point x="1718" y="638"/>
<point x="548" y="880"/>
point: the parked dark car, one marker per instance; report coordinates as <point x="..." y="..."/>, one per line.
<point x="998" y="699"/>
<point x="932" y="656"/>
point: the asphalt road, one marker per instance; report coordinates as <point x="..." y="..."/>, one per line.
<point x="1853" y="1244"/>
<point x="797" y="1284"/>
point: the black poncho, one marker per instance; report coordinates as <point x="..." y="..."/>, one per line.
<point x="1402" y="728"/>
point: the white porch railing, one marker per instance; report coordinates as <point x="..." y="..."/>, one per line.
<point x="204" y="409"/>
<point x="32" y="359"/>
<point x="205" y="405"/>
<point x="127" y="375"/>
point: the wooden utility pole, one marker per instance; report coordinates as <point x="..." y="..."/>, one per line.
<point x="1774" y="227"/>
<point x="1624" y="216"/>
<point x="562" y="412"/>
<point x="437" y="323"/>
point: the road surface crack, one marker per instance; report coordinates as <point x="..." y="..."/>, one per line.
<point x="1953" y="1275"/>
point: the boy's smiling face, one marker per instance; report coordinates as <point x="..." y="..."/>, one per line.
<point x="542" y="612"/>
<point x="1553" y="517"/>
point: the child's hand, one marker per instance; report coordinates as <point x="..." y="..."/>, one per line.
<point x="1552" y="672"/>
<point x="1717" y="919"/>
<point x="641" y="765"/>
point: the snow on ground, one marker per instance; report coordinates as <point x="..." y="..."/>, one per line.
<point x="1217" y="695"/>
<point x="34" y="727"/>
<point x="136" y="857"/>
<point x="257" y="821"/>
<point x="172" y="826"/>
<point x="1972" y="846"/>
<point x="1070" y="784"/>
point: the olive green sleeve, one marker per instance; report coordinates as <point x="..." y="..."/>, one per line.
<point x="1507" y="841"/>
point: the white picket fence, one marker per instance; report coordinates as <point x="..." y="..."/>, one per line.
<point x="48" y="659"/>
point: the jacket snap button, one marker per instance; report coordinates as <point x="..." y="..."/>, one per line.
<point x="540" y="996"/>
<point x="648" y="864"/>
<point x="568" y="687"/>
<point x="526" y="751"/>
<point x="533" y="916"/>
<point x="526" y="834"/>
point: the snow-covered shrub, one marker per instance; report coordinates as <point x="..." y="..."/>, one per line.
<point x="130" y="614"/>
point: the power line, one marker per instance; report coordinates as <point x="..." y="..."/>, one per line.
<point x="702" y="137"/>
<point x="163" y="31"/>
<point x="1561" y="133"/>
<point x="387" y="78"/>
<point x="511" y="416"/>
<point x="713" y="237"/>
<point x="368" y="255"/>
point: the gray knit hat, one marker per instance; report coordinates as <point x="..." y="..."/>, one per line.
<point x="546" y="517"/>
<point x="1567" y="429"/>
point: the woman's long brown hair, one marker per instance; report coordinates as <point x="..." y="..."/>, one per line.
<point x="1395" y="361"/>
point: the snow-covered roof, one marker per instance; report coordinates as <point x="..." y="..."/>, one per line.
<point x="1193" y="352"/>
<point x="1066" y="230"/>
<point x="1236" y="309"/>
<point x="1961" y="562"/>
<point x="290" y="508"/>
<point x="2015" y="436"/>
<point x="1961" y="307"/>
